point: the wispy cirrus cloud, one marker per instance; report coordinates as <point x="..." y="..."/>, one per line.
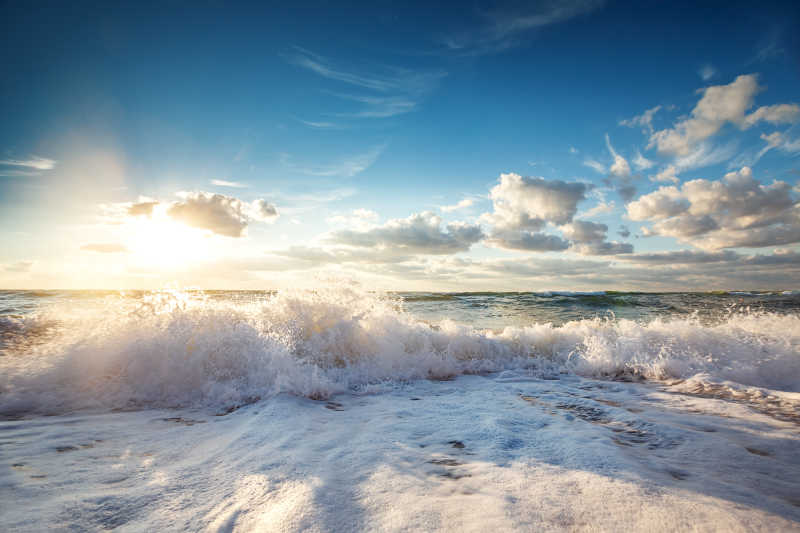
<point x="26" y="167"/>
<point x="36" y="162"/>
<point x="347" y="167"/>
<point x="379" y="106"/>
<point x="321" y="125"/>
<point x="707" y="72"/>
<point x="595" y="165"/>
<point x="390" y="90"/>
<point x="232" y="184"/>
<point x="504" y="26"/>
<point x="463" y="204"/>
<point x="645" y="120"/>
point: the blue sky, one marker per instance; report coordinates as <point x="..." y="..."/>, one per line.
<point x="406" y="146"/>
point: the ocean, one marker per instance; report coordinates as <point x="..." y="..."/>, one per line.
<point x="345" y="409"/>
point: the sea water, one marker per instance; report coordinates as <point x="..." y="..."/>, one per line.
<point x="345" y="409"/>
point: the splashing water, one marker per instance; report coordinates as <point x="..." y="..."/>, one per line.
<point x="192" y="349"/>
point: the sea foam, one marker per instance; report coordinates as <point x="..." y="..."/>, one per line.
<point x="175" y="349"/>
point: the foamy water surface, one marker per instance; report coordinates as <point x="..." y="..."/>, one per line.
<point x="344" y="409"/>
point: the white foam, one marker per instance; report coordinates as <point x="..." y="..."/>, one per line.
<point x="173" y="349"/>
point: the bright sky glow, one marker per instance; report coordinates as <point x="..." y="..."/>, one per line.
<point x="578" y="145"/>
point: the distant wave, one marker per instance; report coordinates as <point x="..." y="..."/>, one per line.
<point x="173" y="349"/>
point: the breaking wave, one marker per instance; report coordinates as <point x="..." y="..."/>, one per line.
<point x="176" y="349"/>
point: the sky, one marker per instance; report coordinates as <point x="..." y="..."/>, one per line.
<point x="576" y="145"/>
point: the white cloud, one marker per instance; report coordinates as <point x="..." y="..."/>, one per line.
<point x="529" y="202"/>
<point x="620" y="168"/>
<point x="261" y="210"/>
<point x="707" y="72"/>
<point x="668" y="173"/>
<point x="774" y="114"/>
<point x="379" y="106"/>
<point x="232" y="184"/>
<point x="720" y="104"/>
<point x="421" y="233"/>
<point x="602" y="208"/>
<point x="705" y="155"/>
<point x="400" y="89"/>
<point x="663" y="203"/>
<point x="645" y="120"/>
<point x="220" y="214"/>
<point x="360" y="219"/>
<point x="780" y="141"/>
<point x="347" y="167"/>
<point x="589" y="238"/>
<point x="527" y="240"/>
<point x="585" y="231"/>
<point x="320" y="125"/>
<point x="736" y="211"/>
<point x="683" y="257"/>
<point x="35" y="162"/>
<point x="595" y="165"/>
<point x="504" y="25"/>
<point x="463" y="204"/>
<point x="641" y="162"/>
<point x="142" y="208"/>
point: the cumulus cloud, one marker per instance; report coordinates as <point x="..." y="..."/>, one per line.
<point x="585" y="231"/>
<point x="736" y="211"/>
<point x="528" y="241"/>
<point x="602" y="208"/>
<point x="524" y="206"/>
<point x="421" y="233"/>
<point x="142" y="208"/>
<point x="664" y="203"/>
<point x="262" y="211"/>
<point x="105" y="248"/>
<point x="719" y="105"/>
<point x="589" y="238"/>
<point x="220" y="214"/>
<point x="683" y="257"/>
<point x="529" y="202"/>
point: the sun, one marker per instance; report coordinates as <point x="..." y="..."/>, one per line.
<point x="162" y="243"/>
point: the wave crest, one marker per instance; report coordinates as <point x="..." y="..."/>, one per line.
<point x="174" y="349"/>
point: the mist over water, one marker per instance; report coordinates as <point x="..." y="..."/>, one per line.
<point x="106" y="350"/>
